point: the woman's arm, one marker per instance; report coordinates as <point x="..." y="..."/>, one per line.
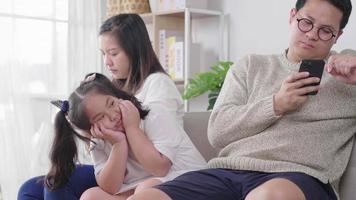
<point x="142" y="148"/>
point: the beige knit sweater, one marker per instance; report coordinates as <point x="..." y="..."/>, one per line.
<point x="315" y="139"/>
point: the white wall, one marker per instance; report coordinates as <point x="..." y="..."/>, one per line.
<point x="258" y="26"/>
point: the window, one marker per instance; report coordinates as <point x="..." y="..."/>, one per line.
<point x="34" y="42"/>
<point x="33" y="69"/>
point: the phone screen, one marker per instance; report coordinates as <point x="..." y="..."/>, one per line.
<point x="315" y="69"/>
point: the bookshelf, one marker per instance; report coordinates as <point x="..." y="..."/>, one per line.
<point x="183" y="25"/>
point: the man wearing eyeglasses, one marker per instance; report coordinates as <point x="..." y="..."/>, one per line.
<point x="278" y="143"/>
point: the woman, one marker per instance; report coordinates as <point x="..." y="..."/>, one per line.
<point x="129" y="56"/>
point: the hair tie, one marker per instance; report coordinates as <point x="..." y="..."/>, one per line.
<point x="88" y="79"/>
<point x="63" y="105"/>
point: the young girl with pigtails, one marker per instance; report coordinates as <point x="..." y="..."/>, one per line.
<point x="131" y="147"/>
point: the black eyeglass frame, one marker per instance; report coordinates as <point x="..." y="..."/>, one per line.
<point x="311" y="28"/>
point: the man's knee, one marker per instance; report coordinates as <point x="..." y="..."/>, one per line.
<point x="276" y="189"/>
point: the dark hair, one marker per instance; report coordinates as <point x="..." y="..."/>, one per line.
<point x="64" y="153"/>
<point x="344" y="6"/>
<point x="130" y="32"/>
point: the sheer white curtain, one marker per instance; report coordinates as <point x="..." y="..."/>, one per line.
<point x="84" y="55"/>
<point x="46" y="48"/>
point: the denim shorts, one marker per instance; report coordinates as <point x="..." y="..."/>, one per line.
<point x="212" y="184"/>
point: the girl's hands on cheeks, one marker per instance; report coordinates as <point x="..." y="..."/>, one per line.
<point x="342" y="67"/>
<point x="130" y="115"/>
<point x="99" y="131"/>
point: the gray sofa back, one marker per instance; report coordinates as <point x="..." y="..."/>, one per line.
<point x="196" y="123"/>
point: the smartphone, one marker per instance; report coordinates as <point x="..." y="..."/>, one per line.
<point x="315" y="69"/>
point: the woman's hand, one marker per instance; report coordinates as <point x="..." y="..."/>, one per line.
<point x="99" y="131"/>
<point x="343" y="67"/>
<point x="130" y="115"/>
<point x="292" y="94"/>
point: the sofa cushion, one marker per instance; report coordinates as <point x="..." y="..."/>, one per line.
<point x="195" y="125"/>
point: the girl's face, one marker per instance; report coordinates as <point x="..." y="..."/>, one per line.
<point x="115" y="58"/>
<point x="104" y="109"/>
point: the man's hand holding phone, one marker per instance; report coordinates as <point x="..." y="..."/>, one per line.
<point x="294" y="90"/>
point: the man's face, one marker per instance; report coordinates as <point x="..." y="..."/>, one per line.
<point x="324" y="17"/>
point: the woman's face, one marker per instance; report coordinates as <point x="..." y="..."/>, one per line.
<point x="115" y="58"/>
<point x="104" y="109"/>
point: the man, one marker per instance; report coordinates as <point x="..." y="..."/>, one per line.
<point x="278" y="142"/>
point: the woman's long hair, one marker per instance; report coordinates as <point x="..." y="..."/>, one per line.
<point x="130" y="32"/>
<point x="64" y="154"/>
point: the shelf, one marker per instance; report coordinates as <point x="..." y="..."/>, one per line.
<point x="179" y="81"/>
<point x="147" y="18"/>
<point x="195" y="13"/>
<point x="180" y="23"/>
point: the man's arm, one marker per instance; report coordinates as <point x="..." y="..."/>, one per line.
<point x="234" y="117"/>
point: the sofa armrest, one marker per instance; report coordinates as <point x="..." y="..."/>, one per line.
<point x="348" y="179"/>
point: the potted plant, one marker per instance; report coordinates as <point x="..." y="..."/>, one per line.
<point x="211" y="81"/>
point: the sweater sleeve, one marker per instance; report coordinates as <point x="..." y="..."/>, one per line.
<point x="234" y="117"/>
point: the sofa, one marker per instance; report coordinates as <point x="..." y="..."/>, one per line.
<point x="196" y="123"/>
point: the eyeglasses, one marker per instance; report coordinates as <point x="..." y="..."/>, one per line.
<point x="324" y="33"/>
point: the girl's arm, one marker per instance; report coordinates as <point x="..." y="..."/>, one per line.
<point x="112" y="175"/>
<point x="142" y="148"/>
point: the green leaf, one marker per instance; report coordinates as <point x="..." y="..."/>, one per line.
<point x="208" y="81"/>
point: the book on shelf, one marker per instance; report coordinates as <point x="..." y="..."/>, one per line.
<point x="179" y="61"/>
<point x="171" y="52"/>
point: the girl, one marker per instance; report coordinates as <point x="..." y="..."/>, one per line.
<point x="129" y="56"/>
<point x="132" y="148"/>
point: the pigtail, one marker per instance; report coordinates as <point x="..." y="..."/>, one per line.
<point x="63" y="153"/>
